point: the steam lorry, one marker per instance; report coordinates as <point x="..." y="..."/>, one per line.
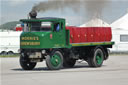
<point x="60" y="46"/>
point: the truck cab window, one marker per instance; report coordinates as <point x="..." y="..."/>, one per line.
<point x="35" y="26"/>
<point x="46" y="26"/>
<point x="38" y="26"/>
<point x="56" y="27"/>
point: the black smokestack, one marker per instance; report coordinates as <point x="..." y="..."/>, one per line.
<point x="33" y="14"/>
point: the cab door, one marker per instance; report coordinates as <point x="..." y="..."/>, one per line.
<point x="58" y="35"/>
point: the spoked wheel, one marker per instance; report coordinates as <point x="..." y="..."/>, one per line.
<point x="96" y="58"/>
<point x="55" y="60"/>
<point x="68" y="62"/>
<point x="26" y="64"/>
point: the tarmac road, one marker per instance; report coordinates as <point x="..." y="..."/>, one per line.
<point x="113" y="72"/>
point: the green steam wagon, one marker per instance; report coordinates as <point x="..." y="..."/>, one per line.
<point x="50" y="40"/>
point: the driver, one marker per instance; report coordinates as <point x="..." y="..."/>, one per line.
<point x="57" y="27"/>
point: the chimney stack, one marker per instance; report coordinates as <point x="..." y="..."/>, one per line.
<point x="33" y="14"/>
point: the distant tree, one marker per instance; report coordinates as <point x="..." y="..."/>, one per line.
<point x="9" y="25"/>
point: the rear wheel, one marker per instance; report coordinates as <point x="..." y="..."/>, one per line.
<point x="26" y="64"/>
<point x="106" y="52"/>
<point x="55" y="60"/>
<point x="96" y="58"/>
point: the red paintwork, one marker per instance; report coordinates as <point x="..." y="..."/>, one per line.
<point x="76" y="35"/>
<point x="108" y="34"/>
<point x="89" y="34"/>
<point x="50" y="36"/>
<point x="97" y="34"/>
<point x="84" y="34"/>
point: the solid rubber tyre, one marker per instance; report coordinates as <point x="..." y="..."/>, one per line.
<point x="106" y="52"/>
<point x="26" y="64"/>
<point x="96" y="58"/>
<point x="54" y="61"/>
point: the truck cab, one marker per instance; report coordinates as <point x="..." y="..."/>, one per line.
<point x="43" y="33"/>
<point x="41" y="39"/>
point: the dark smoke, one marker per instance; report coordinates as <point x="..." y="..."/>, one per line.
<point x="56" y="5"/>
<point x="92" y="7"/>
<point x="95" y="7"/>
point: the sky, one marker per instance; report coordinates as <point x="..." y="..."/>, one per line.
<point x="14" y="10"/>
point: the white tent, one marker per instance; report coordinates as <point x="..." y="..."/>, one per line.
<point x="96" y="22"/>
<point x="120" y="34"/>
<point x="121" y="23"/>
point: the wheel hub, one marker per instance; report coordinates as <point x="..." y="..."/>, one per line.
<point x="98" y="59"/>
<point x="55" y="60"/>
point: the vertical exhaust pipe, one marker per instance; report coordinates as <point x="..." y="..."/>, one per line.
<point x="33" y="14"/>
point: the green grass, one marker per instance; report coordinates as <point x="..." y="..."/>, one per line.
<point x="15" y="55"/>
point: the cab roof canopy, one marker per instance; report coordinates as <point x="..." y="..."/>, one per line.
<point x="44" y="19"/>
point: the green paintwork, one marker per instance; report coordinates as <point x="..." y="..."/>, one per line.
<point x="91" y="44"/>
<point x="58" y="39"/>
<point x="44" y="39"/>
<point x="55" y="60"/>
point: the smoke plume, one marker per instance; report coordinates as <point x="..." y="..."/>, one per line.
<point x="92" y="7"/>
<point x="56" y="5"/>
<point x="95" y="7"/>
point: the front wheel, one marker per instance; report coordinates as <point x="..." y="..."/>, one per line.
<point x="54" y="61"/>
<point x="96" y="58"/>
<point x="26" y="64"/>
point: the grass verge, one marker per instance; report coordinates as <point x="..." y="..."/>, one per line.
<point x="15" y="55"/>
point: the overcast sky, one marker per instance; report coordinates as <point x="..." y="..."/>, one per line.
<point x="13" y="10"/>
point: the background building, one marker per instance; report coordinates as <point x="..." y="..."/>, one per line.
<point x="120" y="34"/>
